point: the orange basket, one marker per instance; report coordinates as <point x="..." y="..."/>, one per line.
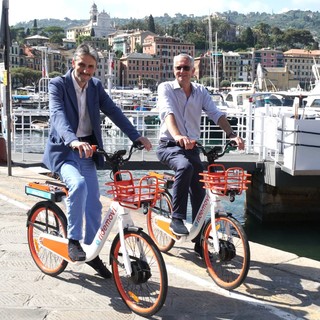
<point x="222" y="181"/>
<point x="133" y="193"/>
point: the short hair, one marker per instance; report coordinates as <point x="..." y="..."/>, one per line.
<point x="83" y="50"/>
<point x="184" y="55"/>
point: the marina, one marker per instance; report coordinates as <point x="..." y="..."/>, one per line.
<point x="280" y="211"/>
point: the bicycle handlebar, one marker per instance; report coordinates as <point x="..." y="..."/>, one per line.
<point x="216" y="152"/>
<point x="117" y="159"/>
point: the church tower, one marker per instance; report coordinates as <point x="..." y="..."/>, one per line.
<point x="93" y="13"/>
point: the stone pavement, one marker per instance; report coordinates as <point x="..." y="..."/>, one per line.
<point x="279" y="285"/>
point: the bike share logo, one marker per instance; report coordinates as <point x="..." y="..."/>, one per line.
<point x="106" y="225"/>
<point x="204" y="205"/>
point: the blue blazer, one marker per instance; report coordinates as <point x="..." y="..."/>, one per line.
<point x="64" y="119"/>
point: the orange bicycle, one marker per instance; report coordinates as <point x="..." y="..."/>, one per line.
<point x="138" y="268"/>
<point x="224" y="244"/>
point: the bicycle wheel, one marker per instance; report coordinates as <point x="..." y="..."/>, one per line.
<point x="46" y="217"/>
<point x="162" y="207"/>
<point x="145" y="290"/>
<point x="229" y="267"/>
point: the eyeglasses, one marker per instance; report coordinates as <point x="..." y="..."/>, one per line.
<point x="185" y="68"/>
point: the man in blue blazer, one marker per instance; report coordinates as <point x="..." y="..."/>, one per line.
<point x="75" y="102"/>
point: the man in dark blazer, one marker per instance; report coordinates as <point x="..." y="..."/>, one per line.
<point x="75" y="102"/>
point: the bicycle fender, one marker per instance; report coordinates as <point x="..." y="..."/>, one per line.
<point x="134" y="228"/>
<point x="45" y="204"/>
<point x="224" y="214"/>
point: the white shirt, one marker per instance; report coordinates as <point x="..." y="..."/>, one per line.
<point x="84" y="127"/>
<point x="187" y="111"/>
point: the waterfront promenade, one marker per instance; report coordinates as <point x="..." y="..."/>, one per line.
<point x="280" y="285"/>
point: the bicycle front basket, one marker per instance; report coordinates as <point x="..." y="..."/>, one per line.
<point x="221" y="181"/>
<point x="133" y="193"/>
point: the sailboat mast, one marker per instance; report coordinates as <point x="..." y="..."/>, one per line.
<point x="210" y="50"/>
<point x="215" y="70"/>
<point x="213" y="57"/>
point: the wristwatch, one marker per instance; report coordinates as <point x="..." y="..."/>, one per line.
<point x="231" y="135"/>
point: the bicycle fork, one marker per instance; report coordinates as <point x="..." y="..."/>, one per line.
<point x="217" y="208"/>
<point x="125" y="223"/>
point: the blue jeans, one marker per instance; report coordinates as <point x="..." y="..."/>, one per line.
<point x="187" y="165"/>
<point x="80" y="176"/>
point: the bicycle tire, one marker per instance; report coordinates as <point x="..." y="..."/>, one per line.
<point x="162" y="207"/>
<point x="229" y="267"/>
<point x="46" y="216"/>
<point x="145" y="291"/>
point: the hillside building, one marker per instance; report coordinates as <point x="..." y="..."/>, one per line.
<point x="99" y="26"/>
<point x="165" y="48"/>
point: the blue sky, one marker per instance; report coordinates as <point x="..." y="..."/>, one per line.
<point x="23" y="10"/>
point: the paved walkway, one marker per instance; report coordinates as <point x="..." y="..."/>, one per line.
<point x="279" y="285"/>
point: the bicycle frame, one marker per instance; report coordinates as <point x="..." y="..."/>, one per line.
<point x="115" y="212"/>
<point x="211" y="202"/>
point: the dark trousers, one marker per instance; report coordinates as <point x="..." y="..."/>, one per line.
<point x="187" y="165"/>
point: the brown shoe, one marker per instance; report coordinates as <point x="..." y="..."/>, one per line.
<point x="75" y="251"/>
<point x="100" y="267"/>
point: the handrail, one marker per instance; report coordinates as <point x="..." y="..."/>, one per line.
<point x="26" y="139"/>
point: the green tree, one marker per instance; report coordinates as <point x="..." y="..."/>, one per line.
<point x="247" y="37"/>
<point x="82" y="39"/>
<point x="54" y="74"/>
<point x="151" y="25"/>
<point x="18" y="34"/>
<point x="25" y="76"/>
<point x="34" y="29"/>
<point x="276" y="37"/>
<point x="53" y="30"/>
<point x="298" y="38"/>
<point x="139" y="48"/>
<point x="57" y="38"/>
<point x="118" y="54"/>
<point x="262" y="33"/>
<point x="225" y="83"/>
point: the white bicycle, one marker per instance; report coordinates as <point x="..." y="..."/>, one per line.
<point x="138" y="268"/>
<point x="224" y="244"/>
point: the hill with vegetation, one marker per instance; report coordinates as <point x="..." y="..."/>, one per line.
<point x="293" y="29"/>
<point x="295" y="19"/>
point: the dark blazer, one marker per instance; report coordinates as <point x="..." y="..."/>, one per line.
<point x="64" y="119"/>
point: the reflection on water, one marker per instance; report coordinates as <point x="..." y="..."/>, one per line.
<point x="302" y="239"/>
